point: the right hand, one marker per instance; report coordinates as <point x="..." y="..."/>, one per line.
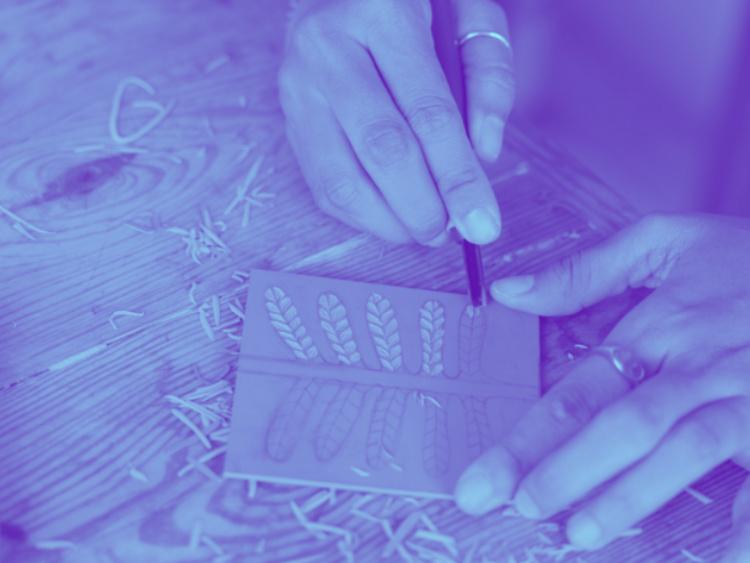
<point x="373" y="124"/>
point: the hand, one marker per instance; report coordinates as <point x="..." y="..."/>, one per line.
<point x="374" y="126"/>
<point x="634" y="449"/>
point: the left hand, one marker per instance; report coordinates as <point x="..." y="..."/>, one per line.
<point x="635" y="448"/>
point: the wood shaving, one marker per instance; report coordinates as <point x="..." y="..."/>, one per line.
<point x="137" y="474"/>
<point x="246" y="214"/>
<point x="212" y="545"/>
<point x="117" y="314"/>
<point x="215" y="309"/>
<point x="216" y="63"/>
<point x="448" y="542"/>
<point x="236" y="310"/>
<point x="23" y="223"/>
<point x="204" y="470"/>
<point x="316" y="501"/>
<point x="189" y="423"/>
<point x="204" y="323"/>
<point x="161" y="111"/>
<point x="697" y="495"/>
<point x="360" y="472"/>
<point x="195" y="535"/>
<point x="88" y="148"/>
<point x="54" y="544"/>
<point x="232" y="335"/>
<point x="690" y="556"/>
<point x="202" y="459"/>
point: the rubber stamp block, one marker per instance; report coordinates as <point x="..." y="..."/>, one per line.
<point x="369" y="387"/>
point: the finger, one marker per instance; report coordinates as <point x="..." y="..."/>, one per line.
<point x="699" y="442"/>
<point x="641" y="255"/>
<point x="488" y="69"/>
<point x="339" y="184"/>
<point x="739" y="544"/>
<point x="408" y="63"/>
<point x="568" y="406"/>
<point x="636" y="423"/>
<point x="384" y="143"/>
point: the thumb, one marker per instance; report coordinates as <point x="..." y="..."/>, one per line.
<point x="739" y="544"/>
<point x="640" y="255"/>
<point x="488" y="74"/>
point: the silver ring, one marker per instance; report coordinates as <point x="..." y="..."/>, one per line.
<point x="625" y="362"/>
<point x="492" y="34"/>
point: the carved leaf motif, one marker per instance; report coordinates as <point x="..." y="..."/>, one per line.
<point x="342" y="412"/>
<point x="293" y="411"/>
<point x="432" y="330"/>
<point x="286" y="321"/>
<point x="471" y="332"/>
<point x="477" y="426"/>
<point x="338" y="420"/>
<point x="335" y="323"/>
<point x="384" y="330"/>
<point x="436" y="451"/>
<point x="385" y="427"/>
<point x="290" y="416"/>
<point x="390" y="405"/>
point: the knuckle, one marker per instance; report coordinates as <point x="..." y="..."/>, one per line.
<point x="704" y="440"/>
<point x="338" y="193"/>
<point x="287" y="85"/>
<point x="573" y="403"/>
<point x="499" y="75"/>
<point x="654" y="224"/>
<point x="386" y="141"/>
<point x="641" y="419"/>
<point x="573" y="273"/>
<point x="454" y="183"/>
<point x="431" y="116"/>
<point x="427" y="225"/>
<point x="309" y="32"/>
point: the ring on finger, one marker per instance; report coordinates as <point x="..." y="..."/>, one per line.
<point x="625" y="363"/>
<point x="491" y="34"/>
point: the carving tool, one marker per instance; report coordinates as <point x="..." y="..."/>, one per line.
<point x="445" y="37"/>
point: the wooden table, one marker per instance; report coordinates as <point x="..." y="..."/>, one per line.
<point x="93" y="460"/>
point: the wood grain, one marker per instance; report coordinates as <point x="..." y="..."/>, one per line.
<point x="71" y="437"/>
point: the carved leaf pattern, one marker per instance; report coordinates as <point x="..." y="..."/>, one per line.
<point x="471" y="332"/>
<point x="432" y="330"/>
<point x="436" y="451"/>
<point x="390" y="405"/>
<point x="285" y="319"/>
<point x="335" y="324"/>
<point x="385" y="426"/>
<point x="477" y="426"/>
<point x="384" y="330"/>
<point x="342" y="412"/>
<point x="292" y="413"/>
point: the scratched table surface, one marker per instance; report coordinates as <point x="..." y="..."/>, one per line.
<point x="117" y="360"/>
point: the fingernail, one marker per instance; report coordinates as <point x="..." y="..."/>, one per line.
<point x="479" y="226"/>
<point x="511" y="287"/>
<point x="583" y="530"/>
<point x="526" y="506"/>
<point x="474" y="490"/>
<point x="491" y="137"/>
<point x="439" y="240"/>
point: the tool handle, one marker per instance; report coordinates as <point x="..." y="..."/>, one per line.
<point x="445" y="36"/>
